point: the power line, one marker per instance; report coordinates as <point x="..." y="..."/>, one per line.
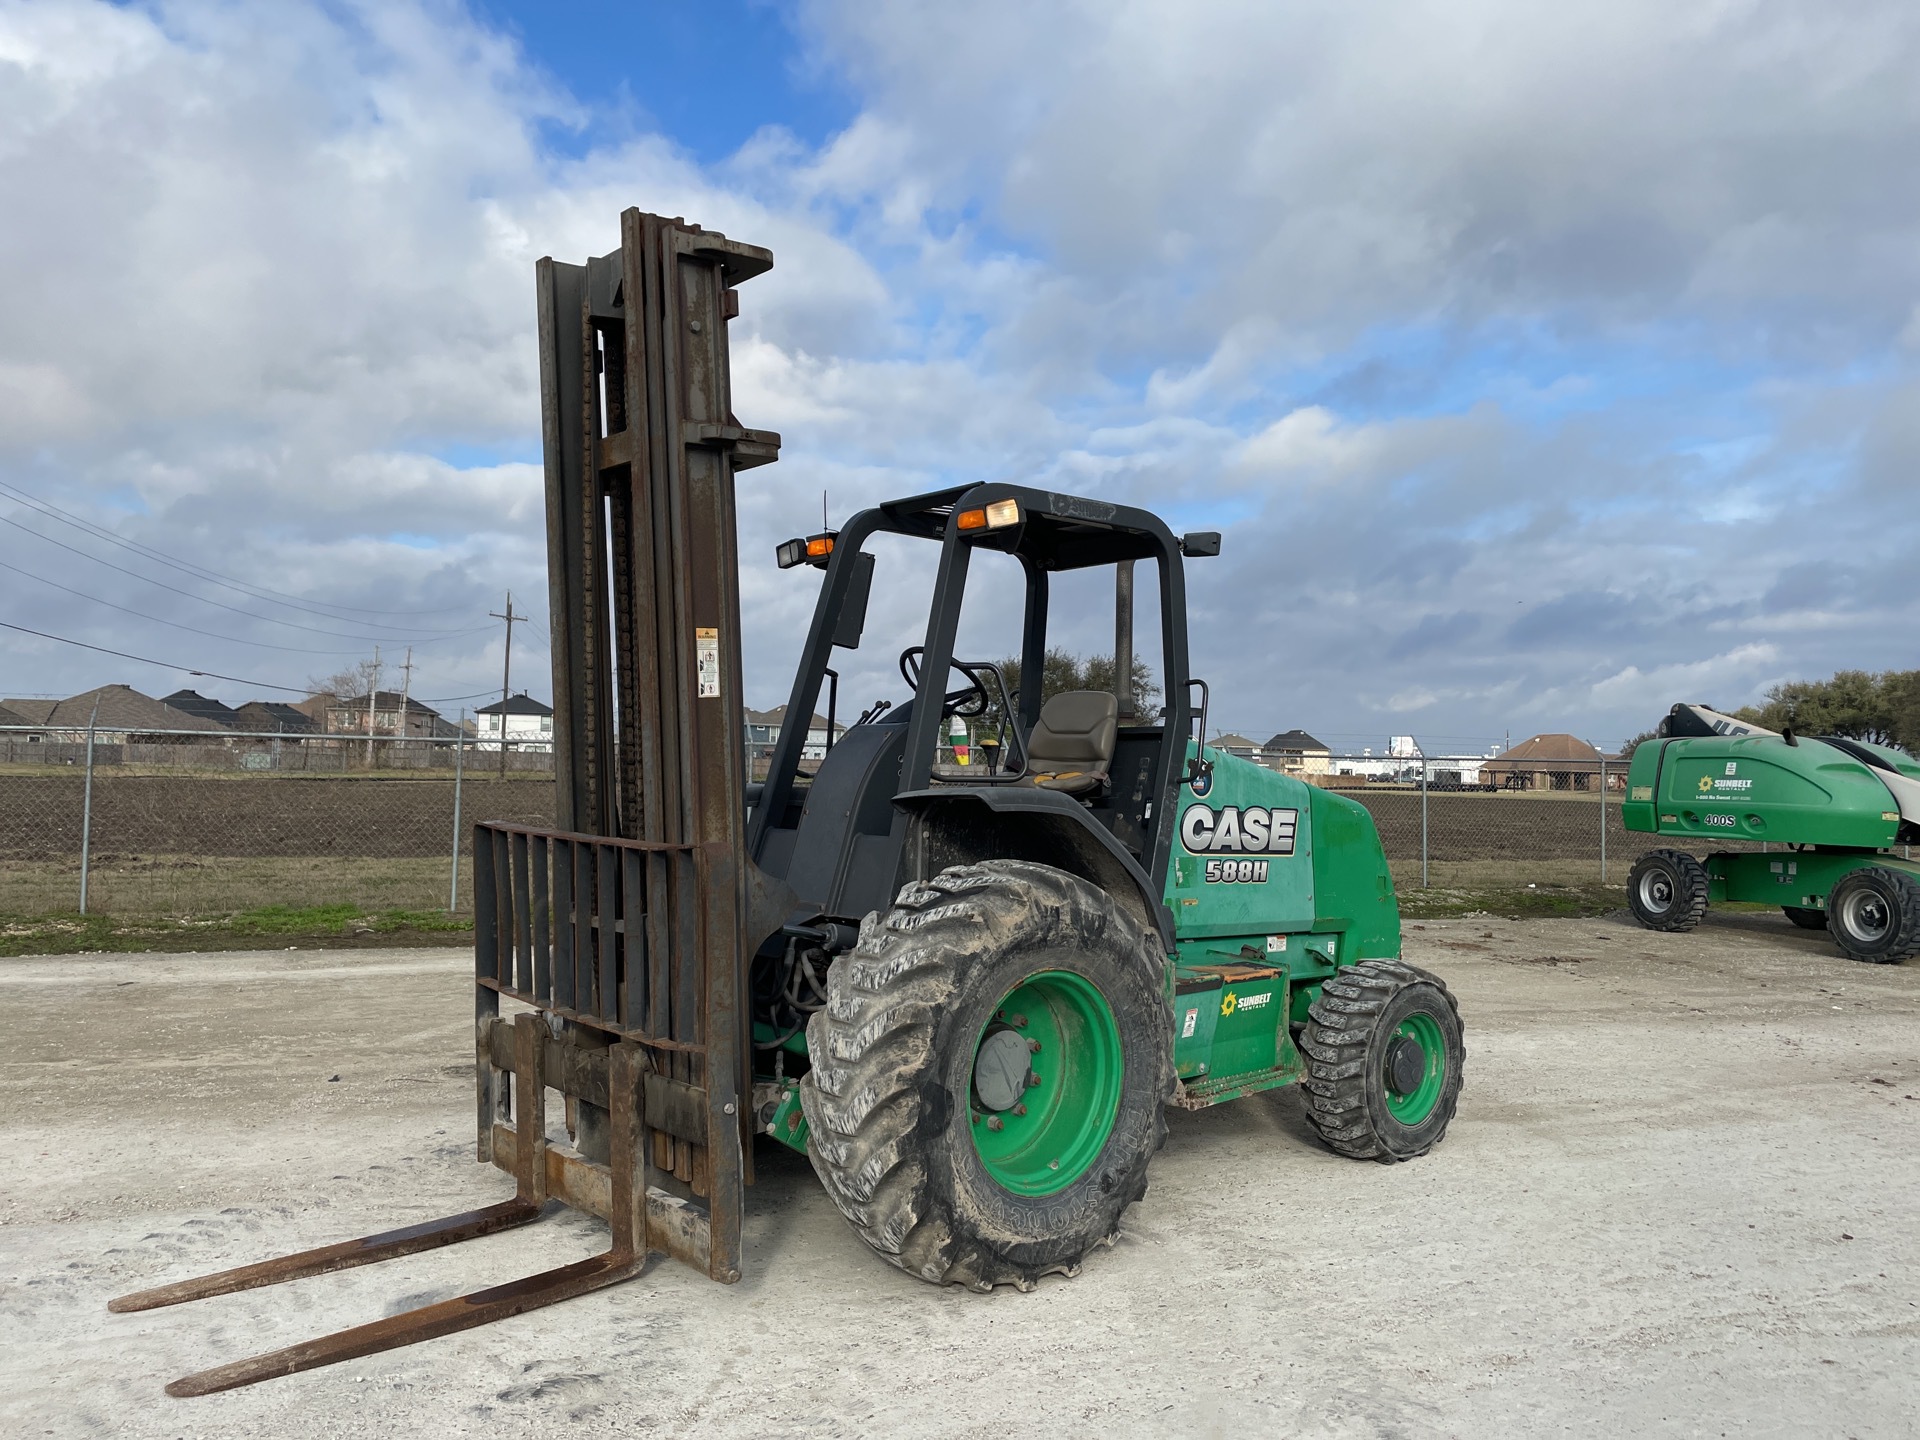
<point x="162" y="620"/>
<point x="221" y="604"/>
<point x="163" y="664"/>
<point x="54" y="512"/>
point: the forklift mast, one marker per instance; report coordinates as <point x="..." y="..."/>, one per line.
<point x="644" y="880"/>
<point x="622" y="932"/>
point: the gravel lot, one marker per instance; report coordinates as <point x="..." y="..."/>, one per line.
<point x="1679" y="1198"/>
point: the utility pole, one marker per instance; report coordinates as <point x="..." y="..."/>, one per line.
<point x="506" y="675"/>
<point x="373" y="702"/>
<point x="406" y="686"/>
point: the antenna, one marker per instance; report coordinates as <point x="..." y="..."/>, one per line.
<point x="823" y="509"/>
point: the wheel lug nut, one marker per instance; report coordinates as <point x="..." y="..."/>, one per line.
<point x="1020" y="1109"/>
<point x="1019" y="1022"/>
<point x="1032" y="1080"/>
<point x="996" y="1123"/>
<point x="1034" y="1046"/>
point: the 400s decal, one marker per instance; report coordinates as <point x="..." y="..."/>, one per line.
<point x="1232" y="830"/>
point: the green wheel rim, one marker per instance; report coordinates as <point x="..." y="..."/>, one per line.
<point x="1071" y="1097"/>
<point x="1417" y="1104"/>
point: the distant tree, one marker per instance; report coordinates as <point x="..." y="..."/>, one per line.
<point x="1064" y="671"/>
<point x="1855" y="704"/>
<point x="1903" y="708"/>
<point x="1627" y="747"/>
<point x="352" y="681"/>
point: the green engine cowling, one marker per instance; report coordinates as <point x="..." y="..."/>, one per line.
<point x="1257" y="852"/>
<point x="1762" y="788"/>
<point x="1274" y="885"/>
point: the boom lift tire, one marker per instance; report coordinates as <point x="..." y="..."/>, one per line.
<point x="1806" y="918"/>
<point x="1368" y="1096"/>
<point x="1667" y="890"/>
<point x="1874" y="915"/>
<point x="990" y="983"/>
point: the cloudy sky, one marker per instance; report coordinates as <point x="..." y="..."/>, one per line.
<point x="1543" y="365"/>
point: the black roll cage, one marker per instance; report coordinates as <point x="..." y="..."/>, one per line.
<point x="1055" y="532"/>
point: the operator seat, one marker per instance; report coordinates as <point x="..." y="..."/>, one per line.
<point x="1071" y="747"/>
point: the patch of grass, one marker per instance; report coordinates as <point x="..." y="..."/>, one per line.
<point x="143" y="887"/>
<point x="336" y="926"/>
<point x="1524" y="902"/>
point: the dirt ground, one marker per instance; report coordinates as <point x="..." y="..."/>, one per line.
<point x="1679" y="1199"/>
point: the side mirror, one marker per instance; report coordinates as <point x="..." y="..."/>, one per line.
<point x="1200" y="544"/>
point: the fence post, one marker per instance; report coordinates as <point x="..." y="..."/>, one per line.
<point x="459" y="771"/>
<point x="1603" y="819"/>
<point x="86" y="810"/>
<point x="1423" y="819"/>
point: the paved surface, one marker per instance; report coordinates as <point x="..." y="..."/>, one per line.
<point x="1679" y="1198"/>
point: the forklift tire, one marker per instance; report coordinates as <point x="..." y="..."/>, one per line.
<point x="984" y="986"/>
<point x="1368" y="1094"/>
<point x="1667" y="890"/>
<point x="1805" y="918"/>
<point x="1874" y="915"/>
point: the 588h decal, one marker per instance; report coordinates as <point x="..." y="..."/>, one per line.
<point x="1236" y="872"/>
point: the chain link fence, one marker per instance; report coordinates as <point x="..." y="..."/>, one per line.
<point x="187" y="826"/>
<point x="181" y="825"/>
<point x="1458" y="823"/>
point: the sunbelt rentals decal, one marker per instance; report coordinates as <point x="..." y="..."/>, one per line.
<point x="1732" y="783"/>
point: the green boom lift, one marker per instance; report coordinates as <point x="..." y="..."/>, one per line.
<point x="1819" y="817"/>
<point x="967" y="993"/>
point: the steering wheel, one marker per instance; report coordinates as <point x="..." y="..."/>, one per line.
<point x="968" y="701"/>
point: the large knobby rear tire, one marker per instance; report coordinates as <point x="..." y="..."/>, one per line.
<point x="898" y="1114"/>
<point x="1874" y="915"/>
<point x="1368" y="1095"/>
<point x="1667" y="890"/>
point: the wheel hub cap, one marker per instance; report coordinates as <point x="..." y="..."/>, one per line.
<point x="1867" y="917"/>
<point x="1000" y="1070"/>
<point x="1415" y="1068"/>
<point x="1406" y="1065"/>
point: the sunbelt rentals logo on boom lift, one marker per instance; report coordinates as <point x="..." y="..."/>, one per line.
<point x="1730" y="784"/>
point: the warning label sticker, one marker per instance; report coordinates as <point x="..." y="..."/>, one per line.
<point x="706" y="661"/>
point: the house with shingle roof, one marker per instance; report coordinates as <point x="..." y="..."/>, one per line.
<point x="192" y="702"/>
<point x="271" y="717"/>
<point x="15" y="726"/>
<point x="119" y="714"/>
<point x="1552" y="762"/>
<point x="1297" y="753"/>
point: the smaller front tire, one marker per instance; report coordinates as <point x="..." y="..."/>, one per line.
<point x="1874" y="915"/>
<point x="1384" y="1051"/>
<point x="1667" y="890"/>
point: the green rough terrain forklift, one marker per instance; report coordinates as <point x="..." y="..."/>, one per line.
<point x="967" y="993"/>
<point x="1820" y="815"/>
